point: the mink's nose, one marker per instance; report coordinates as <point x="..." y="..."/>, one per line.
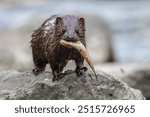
<point x="71" y="38"/>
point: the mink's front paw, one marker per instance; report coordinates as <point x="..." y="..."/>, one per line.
<point x="36" y="71"/>
<point x="81" y="71"/>
<point x="58" y="77"/>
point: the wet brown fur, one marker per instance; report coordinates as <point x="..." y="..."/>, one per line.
<point x="46" y="48"/>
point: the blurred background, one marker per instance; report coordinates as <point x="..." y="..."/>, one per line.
<point x="117" y="30"/>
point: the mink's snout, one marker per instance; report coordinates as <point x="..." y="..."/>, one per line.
<point x="71" y="38"/>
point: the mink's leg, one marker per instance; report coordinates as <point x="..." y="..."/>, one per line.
<point x="57" y="70"/>
<point x="39" y="66"/>
<point x="80" y="68"/>
<point x="39" y="58"/>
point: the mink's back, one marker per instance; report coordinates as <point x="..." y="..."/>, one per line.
<point x="40" y="39"/>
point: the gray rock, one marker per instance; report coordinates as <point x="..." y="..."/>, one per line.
<point x="135" y="75"/>
<point x="139" y="79"/>
<point x="24" y="85"/>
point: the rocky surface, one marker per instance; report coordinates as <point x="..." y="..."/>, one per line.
<point x="24" y="85"/>
<point x="136" y="75"/>
<point x="139" y="79"/>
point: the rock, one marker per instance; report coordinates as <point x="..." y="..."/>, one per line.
<point x="24" y="85"/>
<point x="135" y="75"/>
<point x="139" y="79"/>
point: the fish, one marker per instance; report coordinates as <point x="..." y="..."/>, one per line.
<point x="82" y="50"/>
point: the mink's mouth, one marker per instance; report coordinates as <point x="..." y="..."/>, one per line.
<point x="71" y="40"/>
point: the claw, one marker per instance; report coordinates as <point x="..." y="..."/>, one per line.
<point x="36" y="71"/>
<point x="81" y="71"/>
<point x="58" y="77"/>
<point x="82" y="50"/>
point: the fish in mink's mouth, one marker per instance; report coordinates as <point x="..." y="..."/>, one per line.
<point x="82" y="50"/>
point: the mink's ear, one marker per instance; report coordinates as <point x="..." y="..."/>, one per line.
<point x="59" y="21"/>
<point x="81" y="22"/>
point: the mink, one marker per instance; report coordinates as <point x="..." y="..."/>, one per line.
<point x="46" y="48"/>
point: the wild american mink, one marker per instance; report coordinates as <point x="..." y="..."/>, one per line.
<point x="47" y="49"/>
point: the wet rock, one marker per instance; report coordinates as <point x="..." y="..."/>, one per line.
<point x="24" y="85"/>
<point x="135" y="75"/>
<point x="139" y="79"/>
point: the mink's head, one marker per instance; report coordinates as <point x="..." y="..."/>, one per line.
<point x="70" y="28"/>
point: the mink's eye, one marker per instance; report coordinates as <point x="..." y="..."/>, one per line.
<point x="77" y="31"/>
<point x="63" y="30"/>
